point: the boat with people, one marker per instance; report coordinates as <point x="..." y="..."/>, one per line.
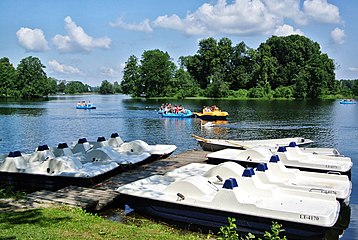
<point x="272" y="173"/>
<point x="174" y="111"/>
<point x="196" y="202"/>
<point x="85" y="105"/>
<point x="211" y="113"/>
<point x="291" y="156"/>
<point x="348" y="101"/>
<point x="219" y="144"/>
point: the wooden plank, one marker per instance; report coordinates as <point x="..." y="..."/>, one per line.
<point x="103" y="195"/>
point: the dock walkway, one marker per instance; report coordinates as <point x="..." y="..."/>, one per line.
<point x="103" y="194"/>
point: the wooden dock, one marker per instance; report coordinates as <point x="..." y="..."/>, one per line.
<point x="102" y="195"/>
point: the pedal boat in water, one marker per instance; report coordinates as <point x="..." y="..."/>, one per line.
<point x="273" y="173"/>
<point x="43" y="170"/>
<point x="219" y="144"/>
<point x="195" y="201"/>
<point x="212" y="116"/>
<point x="291" y="157"/>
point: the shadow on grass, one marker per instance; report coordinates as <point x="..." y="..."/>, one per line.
<point x="33" y="216"/>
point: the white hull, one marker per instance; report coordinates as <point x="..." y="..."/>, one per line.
<point x="293" y="157"/>
<point x="249" y="198"/>
<point x="275" y="174"/>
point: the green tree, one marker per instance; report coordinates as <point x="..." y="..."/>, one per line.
<point x="106" y="87"/>
<point x="116" y="87"/>
<point x="31" y="78"/>
<point x="182" y="85"/>
<point x="131" y="83"/>
<point x="75" y="87"/>
<point x="61" y="86"/>
<point x="156" y="71"/>
<point x="52" y="85"/>
<point x="7" y="79"/>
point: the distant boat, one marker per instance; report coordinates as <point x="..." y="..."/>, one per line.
<point x="212" y="116"/>
<point x="348" y="101"/>
<point x="187" y="114"/>
<point x="84" y="105"/>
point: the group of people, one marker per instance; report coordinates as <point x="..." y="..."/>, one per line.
<point x="169" y="108"/>
<point x="210" y="108"/>
<point x="83" y="103"/>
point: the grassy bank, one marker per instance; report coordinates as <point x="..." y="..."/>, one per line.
<point x="74" y="223"/>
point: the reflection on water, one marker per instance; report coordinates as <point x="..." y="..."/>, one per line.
<point x="26" y="125"/>
<point x="22" y="111"/>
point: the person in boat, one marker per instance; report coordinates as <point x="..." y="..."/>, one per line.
<point x="181" y="109"/>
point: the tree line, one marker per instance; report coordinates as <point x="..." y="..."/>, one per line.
<point x="281" y="67"/>
<point x="29" y="80"/>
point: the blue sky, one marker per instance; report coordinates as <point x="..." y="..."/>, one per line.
<point x="90" y="40"/>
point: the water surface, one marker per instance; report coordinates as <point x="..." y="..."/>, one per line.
<point x="26" y="125"/>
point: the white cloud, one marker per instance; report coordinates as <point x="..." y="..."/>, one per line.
<point x="338" y="35"/>
<point x="62" y="68"/>
<point x="322" y="11"/>
<point x="353" y="69"/>
<point x="143" y="26"/>
<point x="242" y="17"/>
<point x="287" y="9"/>
<point x="110" y="72"/>
<point x="32" y="39"/>
<point x="286" y="30"/>
<point x="78" y="40"/>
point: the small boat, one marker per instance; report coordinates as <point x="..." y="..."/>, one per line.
<point x="186" y="114"/>
<point x="273" y="173"/>
<point x="348" y="101"/>
<point x="84" y="105"/>
<point x="219" y="144"/>
<point x="43" y="170"/>
<point x="291" y="157"/>
<point x="101" y="151"/>
<point x="157" y="151"/>
<point x="195" y="201"/>
<point x="212" y="115"/>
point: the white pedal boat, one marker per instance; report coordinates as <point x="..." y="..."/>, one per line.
<point x="42" y="170"/>
<point x="291" y="157"/>
<point x="101" y="151"/>
<point x="219" y="144"/>
<point x="273" y="173"/>
<point x="195" y="201"/>
<point x="157" y="151"/>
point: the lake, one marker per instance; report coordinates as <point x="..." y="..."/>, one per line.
<point x="25" y="125"/>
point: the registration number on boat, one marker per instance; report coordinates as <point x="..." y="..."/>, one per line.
<point x="309" y="217"/>
<point x="331" y="166"/>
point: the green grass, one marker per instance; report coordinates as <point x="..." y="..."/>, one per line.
<point x="74" y="223"/>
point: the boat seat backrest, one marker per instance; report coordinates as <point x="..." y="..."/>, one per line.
<point x="193" y="186"/>
<point x="58" y="165"/>
<point x="225" y="170"/>
<point x="14" y="164"/>
<point x="115" y="142"/>
<point x="134" y="147"/>
<point x="42" y="153"/>
<point x="257" y="153"/>
<point x="82" y="147"/>
<point x="62" y="150"/>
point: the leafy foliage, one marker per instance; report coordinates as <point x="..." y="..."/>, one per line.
<point x="230" y="233"/>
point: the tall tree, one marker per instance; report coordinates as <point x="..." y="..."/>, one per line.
<point x="7" y="78"/>
<point x="156" y="71"/>
<point x="131" y="83"/>
<point x="31" y="78"/>
<point x="106" y="87"/>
